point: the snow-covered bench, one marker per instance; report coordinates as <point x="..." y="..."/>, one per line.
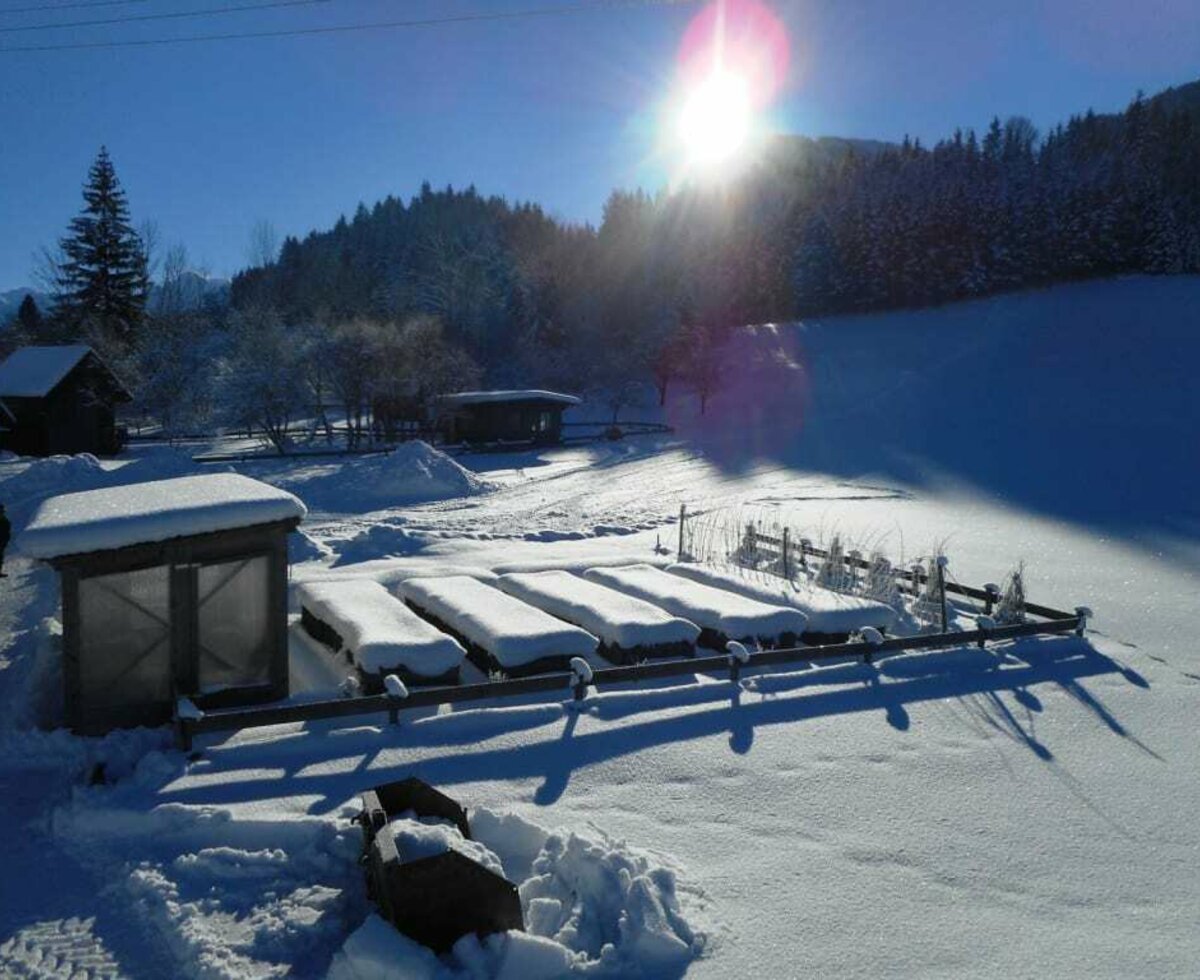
<point x="630" y="629"/>
<point x="831" y="615"/>
<point x="497" y="629"/>
<point x="381" y="634"/>
<point x="721" y="615"/>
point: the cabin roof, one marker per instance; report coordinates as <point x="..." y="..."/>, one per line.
<point x="462" y="398"/>
<point x="34" y="372"/>
<point x="146" y="513"/>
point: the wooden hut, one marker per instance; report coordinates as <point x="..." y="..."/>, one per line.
<point x="171" y="588"/>
<point x="503" y="416"/>
<point x="59" y="400"/>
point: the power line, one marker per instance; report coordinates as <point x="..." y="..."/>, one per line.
<point x="68" y="6"/>
<point x="172" y="15"/>
<point x="562" y="9"/>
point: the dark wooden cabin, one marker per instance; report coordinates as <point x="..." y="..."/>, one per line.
<point x="59" y="399"/>
<point x="171" y="588"/>
<point x="503" y="416"/>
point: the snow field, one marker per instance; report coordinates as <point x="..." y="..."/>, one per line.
<point x="616" y="618"/>
<point x="513" y="632"/>
<point x="826" y="611"/>
<point x="380" y="632"/>
<point x="726" y="613"/>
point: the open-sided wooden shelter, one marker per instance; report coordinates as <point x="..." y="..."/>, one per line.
<point x="503" y="416"/>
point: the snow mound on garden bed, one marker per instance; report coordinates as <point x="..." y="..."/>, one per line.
<point x="412" y="473"/>
<point x="591" y="907"/>
<point x="827" y="611"/>
<point x="378" y="629"/>
<point x="513" y="632"/>
<point x="618" y="619"/>
<point x="735" y="616"/>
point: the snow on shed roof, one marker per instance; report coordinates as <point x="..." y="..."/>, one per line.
<point x="486" y="397"/>
<point x="34" y="372"/>
<point x="143" y="513"/>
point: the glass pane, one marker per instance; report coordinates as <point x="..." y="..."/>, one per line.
<point x="233" y="610"/>
<point x="125" y="639"/>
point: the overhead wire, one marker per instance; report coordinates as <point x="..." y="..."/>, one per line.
<point x="166" y="15"/>
<point x="417" y="22"/>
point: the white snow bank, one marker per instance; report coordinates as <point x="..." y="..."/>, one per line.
<point x="513" y="632"/>
<point x="827" y="611"/>
<point x="733" y="615"/>
<point x="379" y="951"/>
<point x="386" y="539"/>
<point x="116" y="517"/>
<point x="411" y="473"/>
<point x="591" y="908"/>
<point x="378" y="629"/>
<point x="616" y="618"/>
<point x="577" y="565"/>
<point x="491" y="397"/>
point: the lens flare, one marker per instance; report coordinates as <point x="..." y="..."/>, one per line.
<point x="733" y="60"/>
<point x="715" y="119"/>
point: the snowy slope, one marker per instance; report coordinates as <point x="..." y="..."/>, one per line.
<point x="1022" y="811"/>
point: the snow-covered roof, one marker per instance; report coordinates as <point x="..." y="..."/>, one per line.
<point x="528" y="395"/>
<point x="34" y="372"/>
<point x="143" y="513"/>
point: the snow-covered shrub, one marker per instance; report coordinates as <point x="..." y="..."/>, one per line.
<point x="880" y="583"/>
<point x="833" y="574"/>
<point x="1011" y="607"/>
<point x="927" y="607"/>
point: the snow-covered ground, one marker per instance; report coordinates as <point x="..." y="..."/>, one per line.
<point x="1027" y="810"/>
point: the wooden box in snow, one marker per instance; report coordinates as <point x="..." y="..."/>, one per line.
<point x="171" y="588"/>
<point x="434" y="900"/>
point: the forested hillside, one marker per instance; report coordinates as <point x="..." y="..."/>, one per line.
<point x="814" y="227"/>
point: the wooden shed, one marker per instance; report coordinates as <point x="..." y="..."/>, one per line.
<point x="531" y="416"/>
<point x="171" y="588"/>
<point x="59" y="399"/>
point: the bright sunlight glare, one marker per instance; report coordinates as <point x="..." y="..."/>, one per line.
<point x="715" y="119"/>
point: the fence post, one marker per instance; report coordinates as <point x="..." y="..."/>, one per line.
<point x="804" y="545"/>
<point x="941" y="574"/>
<point x="787" y="573"/>
<point x="682" y="519"/>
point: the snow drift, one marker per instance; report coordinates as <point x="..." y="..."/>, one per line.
<point x="412" y="473"/>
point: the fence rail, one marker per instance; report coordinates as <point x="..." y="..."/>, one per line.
<point x="234" y="719"/>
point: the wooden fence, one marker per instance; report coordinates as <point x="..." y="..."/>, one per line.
<point x="1051" y="621"/>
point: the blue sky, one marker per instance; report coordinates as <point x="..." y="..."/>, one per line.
<point x="208" y="139"/>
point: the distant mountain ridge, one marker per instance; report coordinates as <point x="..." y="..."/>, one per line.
<point x="194" y="289"/>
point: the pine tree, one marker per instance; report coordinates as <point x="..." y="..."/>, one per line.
<point x="29" y="318"/>
<point x="103" y="281"/>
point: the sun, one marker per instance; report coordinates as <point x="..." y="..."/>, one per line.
<point x="715" y="120"/>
